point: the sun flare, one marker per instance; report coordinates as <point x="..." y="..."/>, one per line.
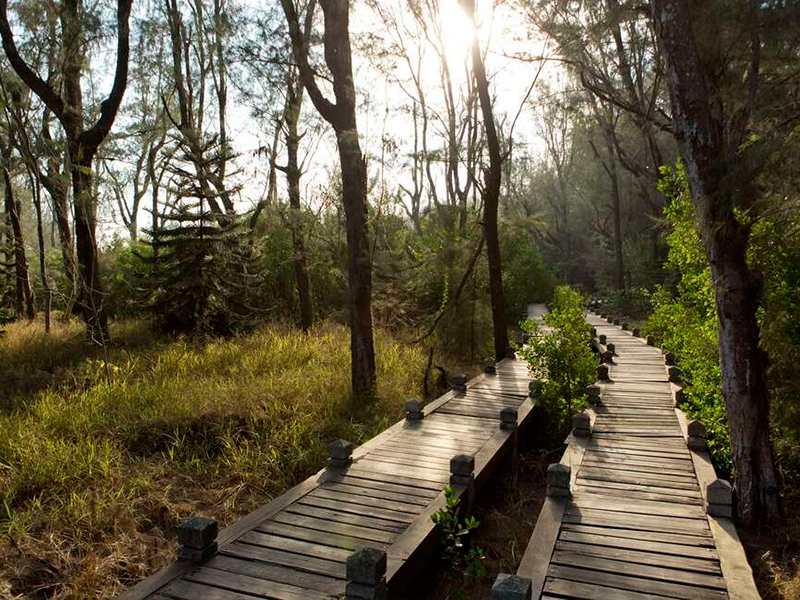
<point x="458" y="32"/>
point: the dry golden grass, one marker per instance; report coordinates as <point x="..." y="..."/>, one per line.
<point x="98" y="467"/>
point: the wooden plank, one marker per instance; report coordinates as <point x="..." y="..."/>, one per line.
<point x="634" y="584"/>
<point x="438" y="476"/>
<point x="640" y="522"/>
<point x="638" y="507"/>
<point x="636" y="478"/>
<point x="635" y="569"/>
<point x="576" y="589"/>
<point x="659" y="546"/>
<point x="645" y="557"/>
<point x="358" y="531"/>
<point x="400" y="462"/>
<point x="376" y="493"/>
<point x="607" y="492"/>
<point x="536" y="560"/>
<point x="393" y="505"/>
<point x="245" y="584"/>
<point x="735" y="567"/>
<point x="355" y="481"/>
<point x="355" y="471"/>
<point x="638" y="468"/>
<point x="301" y="562"/>
<point x="188" y="590"/>
<point x="279" y="574"/>
<point x="311" y="535"/>
<point x="615" y="485"/>
<point x="340" y="517"/>
<point x="288" y="544"/>
<point x="358" y="509"/>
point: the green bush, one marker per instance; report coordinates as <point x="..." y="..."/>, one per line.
<point x="562" y="358"/>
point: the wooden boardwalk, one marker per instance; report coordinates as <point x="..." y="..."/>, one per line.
<point x="635" y="522"/>
<point x="296" y="546"/>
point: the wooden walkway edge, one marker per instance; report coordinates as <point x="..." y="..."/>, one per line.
<point x="635" y="524"/>
<point x="296" y="545"/>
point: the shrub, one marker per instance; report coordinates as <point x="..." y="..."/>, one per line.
<point x="562" y="358"/>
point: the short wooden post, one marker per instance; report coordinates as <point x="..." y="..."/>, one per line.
<point x="414" y="410"/>
<point x="581" y="424"/>
<point x="610" y="319"/>
<point x="462" y="474"/>
<point x="635" y="332"/>
<point x="669" y="359"/>
<point x="611" y="347"/>
<point x="625" y="326"/>
<point x="602" y="372"/>
<point x="594" y="391"/>
<point x="558" y="476"/>
<point x="603" y="338"/>
<point x="673" y="374"/>
<point x="617" y="322"/>
<point x="489" y="366"/>
<point x="650" y="340"/>
<point x="511" y="587"/>
<point x="594" y="332"/>
<point x="341" y="452"/>
<point x="198" y="538"/>
<point x="459" y="382"/>
<point x="508" y="419"/>
<point x="696" y="435"/>
<point x="534" y="388"/>
<point x="719" y="499"/>
<point x="607" y="356"/>
<point x="510" y="352"/>
<point x="366" y="575"/>
<point x="680" y="396"/>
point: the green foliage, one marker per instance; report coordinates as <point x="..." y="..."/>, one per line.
<point x="562" y="358"/>
<point x="201" y="274"/>
<point x="454" y="534"/>
<point x="526" y="277"/>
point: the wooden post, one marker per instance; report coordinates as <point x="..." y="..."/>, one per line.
<point x="534" y="388"/>
<point x="489" y="366"/>
<point x="459" y="382"/>
<point x="602" y="373"/>
<point x="603" y="338"/>
<point x="673" y="374"/>
<point x="558" y="476"/>
<point x="594" y="391"/>
<point x="635" y="332"/>
<point x="198" y="538"/>
<point x="669" y="359"/>
<point x="625" y="326"/>
<point x="340" y="454"/>
<point x="511" y="587"/>
<point x="696" y="435"/>
<point x="611" y="347"/>
<point x="651" y="340"/>
<point x="582" y="424"/>
<point x="366" y="575"/>
<point x="414" y="410"/>
<point x="462" y="475"/>
<point x="719" y="499"/>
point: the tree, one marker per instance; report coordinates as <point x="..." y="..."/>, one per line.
<point x="728" y="128"/>
<point x="491" y="193"/>
<point x="82" y="143"/>
<point x="341" y="114"/>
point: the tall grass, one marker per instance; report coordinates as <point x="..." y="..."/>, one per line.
<point x="96" y="471"/>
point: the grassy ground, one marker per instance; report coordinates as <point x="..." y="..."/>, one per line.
<point x="101" y="456"/>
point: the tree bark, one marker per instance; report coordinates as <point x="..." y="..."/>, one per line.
<point x="37" y="203"/>
<point x="491" y="198"/>
<point x="342" y="117"/>
<point x="710" y="143"/>
<point x="24" y="295"/>
<point x="294" y="104"/>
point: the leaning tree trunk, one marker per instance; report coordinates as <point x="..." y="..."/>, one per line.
<point x="711" y="146"/>
<point x="24" y="294"/>
<point x="91" y="290"/>
<point x="491" y="201"/>
<point x="37" y="203"/>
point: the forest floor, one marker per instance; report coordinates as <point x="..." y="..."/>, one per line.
<point x="507" y="509"/>
<point x="103" y="454"/>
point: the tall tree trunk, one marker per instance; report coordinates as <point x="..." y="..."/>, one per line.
<point x="24" y="294"/>
<point x="37" y="203"/>
<point x="616" y="209"/>
<point x="491" y="199"/>
<point x="342" y="117"/>
<point x="294" y="104"/>
<point x="710" y="143"/>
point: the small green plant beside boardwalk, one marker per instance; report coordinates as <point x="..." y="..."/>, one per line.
<point x="454" y="535"/>
<point x="99" y="467"/>
<point x="562" y="360"/>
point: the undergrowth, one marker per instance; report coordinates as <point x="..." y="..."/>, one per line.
<point x="98" y="468"/>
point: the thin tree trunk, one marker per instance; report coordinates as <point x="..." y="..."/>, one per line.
<point x="491" y="200"/>
<point x="294" y="104"/>
<point x="37" y="203"/>
<point x="24" y="295"/>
